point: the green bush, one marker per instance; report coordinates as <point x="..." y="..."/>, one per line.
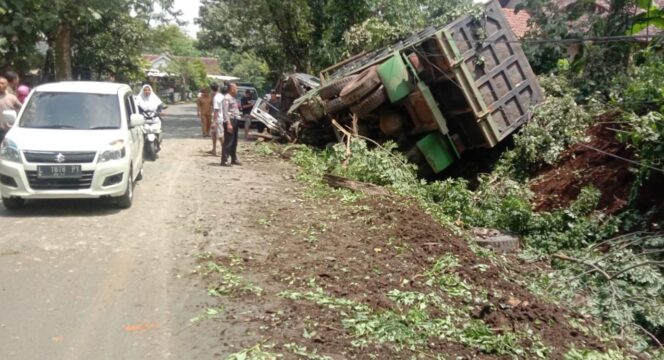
<point x="642" y="99"/>
<point x="644" y="89"/>
<point x="381" y="166"/>
<point x="645" y="136"/>
<point x="570" y="228"/>
<point x="556" y="123"/>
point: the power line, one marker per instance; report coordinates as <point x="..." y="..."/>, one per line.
<point x="621" y="158"/>
<point x="593" y="39"/>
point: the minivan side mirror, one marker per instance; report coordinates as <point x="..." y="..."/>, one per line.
<point x="136" y="120"/>
<point x="9" y="116"/>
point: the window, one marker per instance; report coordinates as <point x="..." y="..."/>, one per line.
<point x="129" y="109"/>
<point x="78" y="111"/>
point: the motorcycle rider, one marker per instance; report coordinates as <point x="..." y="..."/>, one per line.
<point x="151" y="106"/>
<point x="148" y="100"/>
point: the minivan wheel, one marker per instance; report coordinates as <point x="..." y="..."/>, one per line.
<point x="13" y="203"/>
<point x="124" y="201"/>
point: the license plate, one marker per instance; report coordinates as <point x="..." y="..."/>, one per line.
<point x="58" y="171"/>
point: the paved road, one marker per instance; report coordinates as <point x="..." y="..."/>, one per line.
<point x="82" y="280"/>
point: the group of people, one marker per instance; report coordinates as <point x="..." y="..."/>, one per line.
<point x="220" y="114"/>
<point x="12" y="96"/>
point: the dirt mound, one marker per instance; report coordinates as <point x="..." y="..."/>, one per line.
<point x="364" y="251"/>
<point x="593" y="163"/>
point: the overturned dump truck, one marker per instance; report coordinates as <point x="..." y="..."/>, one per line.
<point x="437" y="94"/>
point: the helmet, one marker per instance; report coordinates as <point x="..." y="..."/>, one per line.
<point x="22" y="92"/>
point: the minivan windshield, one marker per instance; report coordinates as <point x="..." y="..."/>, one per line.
<point x="77" y="111"/>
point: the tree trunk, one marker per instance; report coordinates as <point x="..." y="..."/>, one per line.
<point x="63" y="49"/>
<point x="48" y="70"/>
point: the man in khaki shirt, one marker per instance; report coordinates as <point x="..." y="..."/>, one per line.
<point x="7" y="102"/>
<point x="13" y="80"/>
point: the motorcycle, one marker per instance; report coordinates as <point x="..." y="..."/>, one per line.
<point x="152" y="132"/>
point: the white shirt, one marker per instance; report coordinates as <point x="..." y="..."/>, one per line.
<point x="216" y="101"/>
<point x="217" y="108"/>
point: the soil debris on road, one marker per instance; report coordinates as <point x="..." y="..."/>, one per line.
<point x="377" y="277"/>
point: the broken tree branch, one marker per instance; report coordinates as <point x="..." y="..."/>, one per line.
<point x="636" y="266"/>
<point x="653" y="337"/>
<point x="348" y="134"/>
<point x="339" y="182"/>
<point x="597" y="269"/>
<point x="355" y="128"/>
<point x="586" y="263"/>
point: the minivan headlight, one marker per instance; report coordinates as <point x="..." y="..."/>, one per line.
<point x="9" y="151"/>
<point x="117" y="151"/>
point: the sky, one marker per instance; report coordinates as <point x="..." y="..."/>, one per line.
<point x="190" y="11"/>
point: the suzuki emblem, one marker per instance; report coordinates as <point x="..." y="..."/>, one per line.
<point x="60" y="158"/>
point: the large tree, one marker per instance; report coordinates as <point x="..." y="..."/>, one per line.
<point x="110" y="47"/>
<point x="300" y="35"/>
<point x="171" y="38"/>
<point x="65" y="23"/>
<point x="21" y="23"/>
<point x="308" y="35"/>
<point x="279" y="31"/>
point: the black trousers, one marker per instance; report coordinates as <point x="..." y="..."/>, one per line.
<point x="229" y="148"/>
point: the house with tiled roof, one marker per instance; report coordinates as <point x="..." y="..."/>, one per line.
<point x="159" y="63"/>
<point x="519" y="20"/>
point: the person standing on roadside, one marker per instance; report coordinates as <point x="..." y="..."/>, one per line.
<point x="204" y="107"/>
<point x="247" y="103"/>
<point x="13" y="79"/>
<point x="231" y="117"/>
<point x="274" y="105"/>
<point x="216" y="132"/>
<point x="7" y="102"/>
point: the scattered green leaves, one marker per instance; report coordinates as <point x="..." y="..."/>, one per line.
<point x="256" y="352"/>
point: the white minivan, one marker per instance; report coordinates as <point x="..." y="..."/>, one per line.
<point x="72" y="140"/>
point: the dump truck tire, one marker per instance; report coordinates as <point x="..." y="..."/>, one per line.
<point x="333" y="88"/>
<point x="366" y="82"/>
<point x="370" y="103"/>
<point x="335" y="105"/>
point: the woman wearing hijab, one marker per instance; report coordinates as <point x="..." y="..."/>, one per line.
<point x="148" y="100"/>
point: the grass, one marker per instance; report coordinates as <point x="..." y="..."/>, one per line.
<point x="229" y="283"/>
<point x="210" y="313"/>
<point x="256" y="352"/>
<point x="418" y="319"/>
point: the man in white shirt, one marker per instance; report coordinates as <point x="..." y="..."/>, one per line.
<point x="216" y="131"/>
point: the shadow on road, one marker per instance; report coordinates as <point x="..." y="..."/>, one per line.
<point x="181" y="122"/>
<point x="63" y="208"/>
